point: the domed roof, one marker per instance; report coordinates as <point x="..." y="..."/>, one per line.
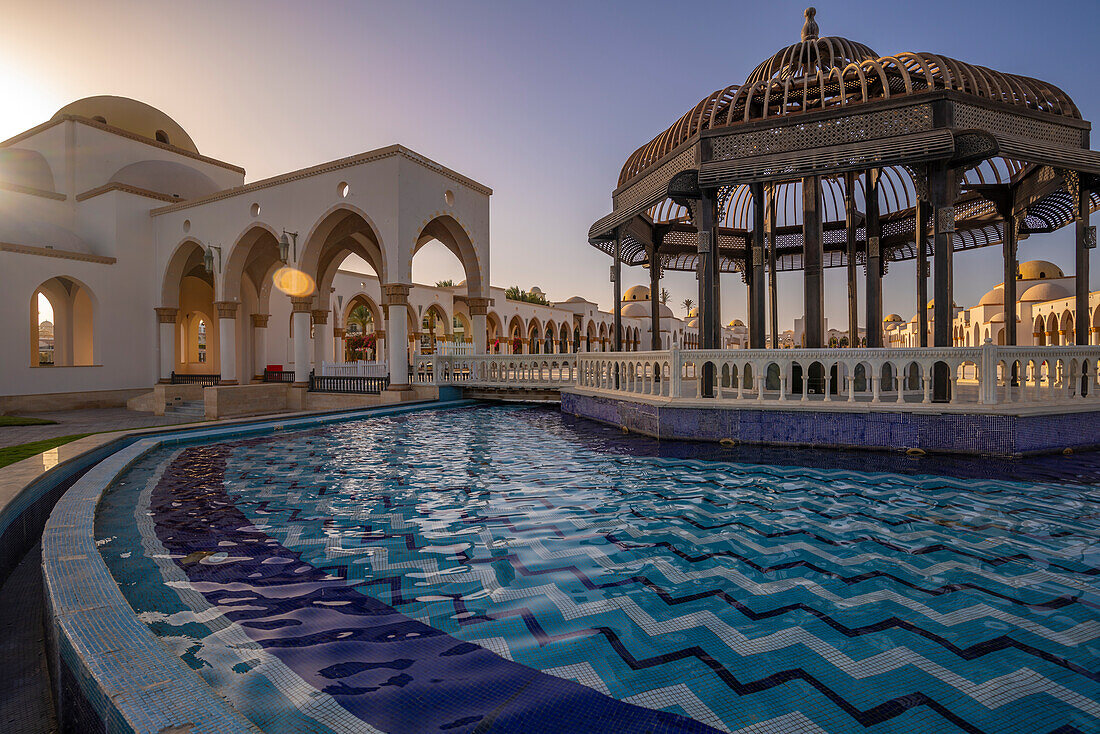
<point x="636" y="293"/>
<point x="810" y="55"/>
<point x="932" y="303"/>
<point x="693" y="323"/>
<point x="1000" y="319"/>
<point x="1040" y="270"/>
<point x="995" y="297"/>
<point x="132" y="116"/>
<point x="635" y="310"/>
<point x="735" y="323"/>
<point x="536" y="291"/>
<point x="821" y="73"/>
<point x="893" y="318"/>
<point x="576" y="299"/>
<point x="1045" y="292"/>
<point x="693" y="312"/>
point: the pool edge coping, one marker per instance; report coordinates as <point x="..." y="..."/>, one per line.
<point x="139" y="683"/>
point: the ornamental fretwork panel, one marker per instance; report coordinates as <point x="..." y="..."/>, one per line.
<point x="1003" y="123"/>
<point x="824" y="133"/>
<point x="653" y="187"/>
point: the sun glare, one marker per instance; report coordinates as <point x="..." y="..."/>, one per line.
<point x="293" y="282"/>
<point x="45" y="309"/>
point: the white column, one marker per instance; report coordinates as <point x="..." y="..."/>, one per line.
<point x="259" y="343"/>
<point x="479" y="307"/>
<point x="227" y="340"/>
<point x="338" y="335"/>
<point x="322" y="339"/>
<point x="166" y="323"/>
<point x="301" y="322"/>
<point x="396" y="296"/>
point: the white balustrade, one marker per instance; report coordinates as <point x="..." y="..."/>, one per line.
<point x="354" y="369"/>
<point x="981" y="378"/>
<point x="497" y="370"/>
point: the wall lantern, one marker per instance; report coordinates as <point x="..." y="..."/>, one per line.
<point x="284" y="246"/>
<point x="208" y="258"/>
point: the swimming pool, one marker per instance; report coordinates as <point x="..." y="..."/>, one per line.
<point x="497" y="569"/>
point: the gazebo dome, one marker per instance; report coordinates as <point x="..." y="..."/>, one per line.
<point x="636" y="293"/>
<point x="133" y="117"/>
<point x="995" y="297"/>
<point x="810" y="55"/>
<point x="1040" y="270"/>
<point x="1045" y="292"/>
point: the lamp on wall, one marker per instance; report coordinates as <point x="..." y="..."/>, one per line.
<point x="208" y="258"/>
<point x="284" y="246"/>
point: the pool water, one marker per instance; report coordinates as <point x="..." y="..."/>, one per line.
<point x="501" y="569"/>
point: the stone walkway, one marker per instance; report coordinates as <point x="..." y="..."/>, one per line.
<point x="25" y="701"/>
<point x="85" y="421"/>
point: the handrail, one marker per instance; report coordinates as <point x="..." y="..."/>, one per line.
<point x="988" y="375"/>
<point x="497" y="370"/>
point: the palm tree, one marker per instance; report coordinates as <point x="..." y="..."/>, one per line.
<point x="688" y="303"/>
<point x="665" y="295"/>
<point x="448" y="283"/>
<point x="361" y="317"/>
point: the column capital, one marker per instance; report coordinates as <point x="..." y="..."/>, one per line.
<point x="479" y="306"/>
<point x="259" y="320"/>
<point x="227" y="309"/>
<point x="166" y="315"/>
<point x="395" y="294"/>
<point x="379" y="334"/>
<point x="338" y="332"/>
<point x="320" y="316"/>
<point x="302" y="304"/>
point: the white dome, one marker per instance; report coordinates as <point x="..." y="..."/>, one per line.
<point x="1045" y="292"/>
<point x="995" y="297"/>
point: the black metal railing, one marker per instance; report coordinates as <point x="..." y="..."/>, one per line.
<point x="348" y="384"/>
<point x="278" y="375"/>
<point x="204" y="380"/>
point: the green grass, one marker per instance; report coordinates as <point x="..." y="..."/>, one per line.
<point x="12" y="454"/>
<point x="18" y="420"/>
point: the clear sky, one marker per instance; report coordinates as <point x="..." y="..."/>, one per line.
<point x="542" y="101"/>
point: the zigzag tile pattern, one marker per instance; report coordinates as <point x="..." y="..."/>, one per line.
<point x="749" y="598"/>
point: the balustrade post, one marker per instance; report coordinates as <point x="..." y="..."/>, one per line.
<point x="988" y="374"/>
<point x="876" y="383"/>
<point x="674" y="377"/>
<point x="851" y="377"/>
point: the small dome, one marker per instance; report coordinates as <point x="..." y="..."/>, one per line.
<point x="810" y="55"/>
<point x="1000" y="318"/>
<point x="635" y="310"/>
<point x="575" y="299"/>
<point x="693" y="323"/>
<point x="932" y="303"/>
<point x="25" y="168"/>
<point x="1045" y="292"/>
<point x="736" y="323"/>
<point x="1040" y="270"/>
<point x="133" y="117"/>
<point x="536" y="291"/>
<point x="693" y="312"/>
<point x="995" y="297"/>
<point x="636" y="293"/>
<point x="892" y="318"/>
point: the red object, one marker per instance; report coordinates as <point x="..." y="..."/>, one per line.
<point x="275" y="367"/>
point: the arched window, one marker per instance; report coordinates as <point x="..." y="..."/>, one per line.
<point x="62" y="321"/>
<point x="162" y="137"/>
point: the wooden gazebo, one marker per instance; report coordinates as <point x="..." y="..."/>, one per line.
<point x="829" y="155"/>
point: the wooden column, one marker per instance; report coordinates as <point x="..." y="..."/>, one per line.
<point x="617" y="279"/>
<point x="813" y="255"/>
<point x="1081" y="317"/>
<point x="1008" y="251"/>
<point x="709" y="316"/>
<point x="874" y="261"/>
<point x="940" y="184"/>
<point x="853" y="293"/>
<point x="921" y="236"/>
<point x="655" y="297"/>
<point x="754" y="270"/>
<point x="773" y="295"/>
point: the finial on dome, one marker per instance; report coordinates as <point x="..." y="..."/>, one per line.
<point x="809" y="28"/>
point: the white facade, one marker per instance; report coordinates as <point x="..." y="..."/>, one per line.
<point x="157" y="260"/>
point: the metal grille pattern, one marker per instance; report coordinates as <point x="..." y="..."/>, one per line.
<point x="1006" y="123"/>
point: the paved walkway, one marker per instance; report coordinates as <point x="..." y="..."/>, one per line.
<point x="85" y="421"/>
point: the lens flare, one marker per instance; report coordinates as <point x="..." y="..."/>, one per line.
<point x="293" y="282"/>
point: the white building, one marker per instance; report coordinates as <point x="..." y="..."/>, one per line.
<point x="158" y="261"/>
